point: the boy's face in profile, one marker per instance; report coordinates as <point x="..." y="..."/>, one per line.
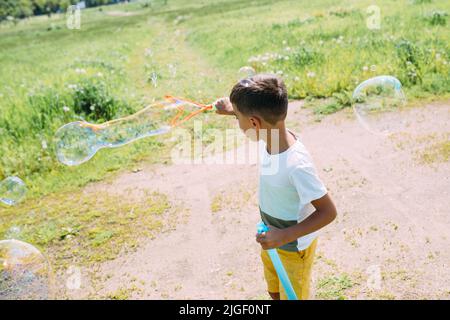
<point x="249" y="125"/>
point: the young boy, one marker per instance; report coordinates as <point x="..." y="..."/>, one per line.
<point x="293" y="201"/>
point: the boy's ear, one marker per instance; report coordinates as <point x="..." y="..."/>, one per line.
<point x="255" y="122"/>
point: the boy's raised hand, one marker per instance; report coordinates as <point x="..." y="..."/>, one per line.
<point x="223" y="106"/>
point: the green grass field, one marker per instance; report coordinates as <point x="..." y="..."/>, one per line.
<point x="321" y="49"/>
<point x="51" y="75"/>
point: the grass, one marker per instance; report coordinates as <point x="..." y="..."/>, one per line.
<point x="321" y="49"/>
<point x="438" y="152"/>
<point x="320" y="52"/>
<point x="384" y="295"/>
<point x="427" y="149"/>
<point x="60" y="82"/>
<point x="84" y="228"/>
<point x="240" y="197"/>
<point x="119" y="294"/>
<point x="333" y="287"/>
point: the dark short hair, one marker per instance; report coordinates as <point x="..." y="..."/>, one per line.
<point x="264" y="95"/>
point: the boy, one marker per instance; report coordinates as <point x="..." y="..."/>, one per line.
<point x="293" y="201"/>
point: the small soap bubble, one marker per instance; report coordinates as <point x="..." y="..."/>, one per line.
<point x="12" y="191"/>
<point x="246" y="72"/>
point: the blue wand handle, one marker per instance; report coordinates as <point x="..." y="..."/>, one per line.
<point x="281" y="272"/>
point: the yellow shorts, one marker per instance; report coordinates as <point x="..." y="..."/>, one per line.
<point x="298" y="266"/>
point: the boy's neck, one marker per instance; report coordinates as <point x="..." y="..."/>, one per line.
<point x="277" y="143"/>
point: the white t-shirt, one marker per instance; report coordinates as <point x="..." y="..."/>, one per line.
<point x="288" y="182"/>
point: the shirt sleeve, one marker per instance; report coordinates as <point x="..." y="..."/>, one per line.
<point x="308" y="184"/>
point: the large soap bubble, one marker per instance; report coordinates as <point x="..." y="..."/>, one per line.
<point x="377" y="102"/>
<point x="77" y="142"/>
<point x="12" y="191"/>
<point x="24" y="272"/>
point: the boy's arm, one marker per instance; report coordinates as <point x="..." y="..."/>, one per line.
<point x="324" y="214"/>
<point x="223" y="106"/>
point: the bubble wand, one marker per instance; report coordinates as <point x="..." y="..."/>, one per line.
<point x="281" y="272"/>
<point x="77" y="142"/>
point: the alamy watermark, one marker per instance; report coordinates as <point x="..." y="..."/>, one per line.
<point x="73" y="281"/>
<point x="226" y="147"/>
<point x="373" y="21"/>
<point x="73" y="17"/>
<point x="374" y="277"/>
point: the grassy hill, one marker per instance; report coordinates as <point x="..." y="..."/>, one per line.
<point x="52" y="75"/>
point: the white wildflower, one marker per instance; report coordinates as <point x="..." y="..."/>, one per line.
<point x="310" y="74"/>
<point x="44" y="144"/>
<point x="148" y="52"/>
<point x="365" y="68"/>
<point x="66" y="109"/>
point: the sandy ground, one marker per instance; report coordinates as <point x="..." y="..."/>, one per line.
<point x="390" y="240"/>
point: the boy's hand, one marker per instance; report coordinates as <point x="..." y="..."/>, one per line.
<point x="223" y="106"/>
<point x="274" y="238"/>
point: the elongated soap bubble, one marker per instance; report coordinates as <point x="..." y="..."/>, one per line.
<point x="24" y="272"/>
<point x="377" y="105"/>
<point x="77" y="142"/>
<point x="12" y="191"/>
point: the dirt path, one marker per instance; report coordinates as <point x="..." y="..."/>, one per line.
<point x="393" y="219"/>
